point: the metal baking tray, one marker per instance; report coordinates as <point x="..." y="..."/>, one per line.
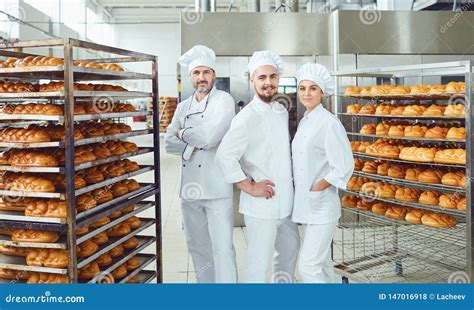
<point x="77" y="142"/>
<point x="427" y="140"/>
<point x="144" y="187"/>
<point x="139" y="209"/>
<point x="145" y="260"/>
<point x="79" y="93"/>
<point x="33" y="225"/>
<point x="77" y="118"/>
<point x="146" y="276"/>
<point x="451" y="118"/>
<point x="455" y="212"/>
<point x="362" y="155"/>
<point x="431" y="96"/>
<point x="61" y="169"/>
<point x="128" y="254"/>
<point x="6" y="240"/>
<point x="19" y="216"/>
<point x="428" y="186"/>
<point x="80" y="73"/>
<point x="113" y="242"/>
<point x="19" y="263"/>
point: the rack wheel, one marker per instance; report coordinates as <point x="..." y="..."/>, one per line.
<point x="398" y="268"/>
<point x="345" y="280"/>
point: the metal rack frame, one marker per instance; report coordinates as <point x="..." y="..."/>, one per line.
<point x="70" y="74"/>
<point x="389" y="256"/>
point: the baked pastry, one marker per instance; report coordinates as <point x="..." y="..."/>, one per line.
<point x="129" y="165"/>
<point x="434" y="110"/>
<point x="352" y="90"/>
<point x="131" y="243"/>
<point x="451" y="156"/>
<point x="453" y="178"/>
<point x="400" y="90"/>
<point x="59" y="181"/>
<point x="365" y="90"/>
<point x="89" y="271"/>
<point x="383" y="109"/>
<point x="415" y="131"/>
<point x="355" y="183"/>
<point x="13" y="250"/>
<point x="397" y="110"/>
<point x="385" y="190"/>
<point x="419" y="89"/>
<point x="102" y="195"/>
<point x="119" y="189"/>
<point x="461" y="205"/>
<point x="128" y="209"/>
<point x="438" y="220"/>
<point x="350" y="201"/>
<point x="25" y="182"/>
<point x="36" y="236"/>
<point x="456" y="133"/>
<point x="119" y="230"/>
<point x="367" y="109"/>
<point x="436" y="132"/>
<point x="455" y="87"/>
<point x="104" y="260"/>
<point x="455" y="110"/>
<point x="117" y="251"/>
<point x="382" y="129"/>
<point x="31" y="159"/>
<point x="353" y="108"/>
<point x="93" y="176"/>
<point x="414" y="216"/>
<point x="437" y="89"/>
<point x="363" y="146"/>
<point x="430" y="176"/>
<point x="449" y="201"/>
<point x="132" y="185"/>
<point x="414" y="110"/>
<point x="133" y="280"/>
<point x="429" y="198"/>
<point x="82" y="231"/>
<point x="85" y="202"/>
<point x="412" y="174"/>
<point x="115" y="215"/>
<point x="408" y="194"/>
<point x="33" y="61"/>
<point x="358" y="164"/>
<point x="99" y="223"/>
<point x="134" y="222"/>
<point x="380" y="208"/>
<point x="47" y="278"/>
<point x="100" y="238"/>
<point x="370" y="167"/>
<point x="46" y="208"/>
<point x="383" y="150"/>
<point x="419" y="154"/>
<point x="397" y="171"/>
<point x="47" y="258"/>
<point x="13" y="274"/>
<point x="87" y="248"/>
<point x="133" y="263"/>
<point x="397" y="212"/>
<point x="382" y="169"/>
<point x="364" y="205"/>
<point x="397" y="131"/>
<point x="369" y="188"/>
<point x="120" y="272"/>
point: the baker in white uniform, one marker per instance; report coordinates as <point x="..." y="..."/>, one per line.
<point x="255" y="154"/>
<point x="194" y="134"/>
<point x="322" y="162"/>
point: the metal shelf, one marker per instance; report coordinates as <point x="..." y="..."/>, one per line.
<point x="362" y="155"/>
<point x="146" y="276"/>
<point x="450" y="118"/>
<point x="33" y="225"/>
<point x="77" y="118"/>
<point x="141" y="151"/>
<point x="454" y="212"/>
<point x="85" y="141"/>
<point x="77" y="94"/>
<point x="80" y="73"/>
<point x="416" y="184"/>
<point x="113" y="242"/>
<point x="17" y="216"/>
<point x="19" y="263"/>
<point x="146" y="260"/>
<point x="431" y="96"/>
<point x="425" y="140"/>
<point x="6" y="240"/>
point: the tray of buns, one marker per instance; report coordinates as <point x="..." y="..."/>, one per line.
<point x="16" y="216"/>
<point x="362" y="155"/>
<point x="418" y="139"/>
<point x="6" y="240"/>
<point x="77" y="118"/>
<point x="78" y="94"/>
<point x="19" y="263"/>
<point x="143" y="277"/>
<point x="114" y="242"/>
<point x="116" y="217"/>
<point x="454" y="212"/>
<point x="421" y="117"/>
<point x="125" y="259"/>
<point x="145" y="260"/>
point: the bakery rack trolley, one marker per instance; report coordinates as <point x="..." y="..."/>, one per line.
<point x="141" y="199"/>
<point x="374" y="248"/>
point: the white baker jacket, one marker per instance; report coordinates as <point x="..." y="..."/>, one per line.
<point x="320" y="150"/>
<point x="201" y="127"/>
<point x="257" y="147"/>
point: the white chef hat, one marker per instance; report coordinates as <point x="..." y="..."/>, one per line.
<point x="318" y="74"/>
<point x="262" y="58"/>
<point x="198" y="55"/>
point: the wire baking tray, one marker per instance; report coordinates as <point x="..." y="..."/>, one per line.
<point x="77" y="118"/>
<point x="362" y="155"/>
<point x="6" y="240"/>
<point x="19" y="263"/>
<point x="426" y="140"/>
<point x="80" y="73"/>
<point x="147" y="260"/>
<point x="454" y="212"/>
<point x="440" y="187"/>
<point x="61" y="169"/>
<point x="431" y="96"/>
<point x="89" y="188"/>
<point x="77" y="94"/>
<point x="77" y="142"/>
<point x="458" y="118"/>
<point x="113" y="242"/>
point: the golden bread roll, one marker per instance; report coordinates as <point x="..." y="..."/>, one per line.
<point x="456" y="133"/>
<point x="120" y="272"/>
<point x="400" y="90"/>
<point x="352" y="90"/>
<point x="414" y="216"/>
<point x="131" y="243"/>
<point x="104" y="260"/>
<point x="438" y="220"/>
<point x="13" y="250"/>
<point x="99" y="223"/>
<point x="455" y="87"/>
<point x="13" y="274"/>
<point x="47" y="258"/>
<point x="419" y="154"/>
<point x="437" y="89"/>
<point x="134" y="222"/>
<point x="461" y="205"/>
<point x="397" y="110"/>
<point x="364" y="205"/>
<point x="117" y="251"/>
<point x="355" y="183"/>
<point x="436" y="132"/>
<point x="102" y="195"/>
<point x="47" y="278"/>
<point x="382" y="129"/>
<point x="350" y="201"/>
<point x="370" y="167"/>
<point x="453" y="178"/>
<point x="382" y="169"/>
<point x="385" y="190"/>
<point x="358" y="164"/>
<point x="415" y="131"/>
<point x="397" y="212"/>
<point x="46" y="208"/>
<point x="89" y="271"/>
<point x="383" y="109"/>
<point x="449" y="201"/>
<point x="434" y="110"/>
<point x="414" y="110"/>
<point x="367" y="109"/>
<point x="380" y="208"/>
<point x="419" y="89"/>
<point x="36" y="236"/>
<point x="368" y="129"/>
<point x="353" y="108"/>
<point x="455" y="110"/>
<point x="369" y="188"/>
<point x="85" y="202"/>
<point x="133" y="263"/>
<point x="397" y="171"/>
<point x="119" y="230"/>
<point x="408" y="194"/>
<point x="100" y="238"/>
<point x="412" y="174"/>
<point x="451" y="156"/>
<point x="432" y="176"/>
<point x="87" y="248"/>
<point x="397" y="131"/>
<point x="363" y="147"/>
<point x="429" y="198"/>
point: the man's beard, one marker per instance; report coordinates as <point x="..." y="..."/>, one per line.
<point x="267" y="98"/>
<point x="203" y="88"/>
